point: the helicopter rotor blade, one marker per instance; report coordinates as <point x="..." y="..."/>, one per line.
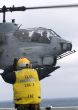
<point x="55" y="6"/>
<point x="23" y="8"/>
<point x="5" y="9"/>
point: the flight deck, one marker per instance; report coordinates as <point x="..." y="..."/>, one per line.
<point x="53" y="108"/>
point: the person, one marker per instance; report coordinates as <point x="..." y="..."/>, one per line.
<point x="26" y="83"/>
<point x="26" y="87"/>
<point x="44" y="38"/>
<point x="35" y="37"/>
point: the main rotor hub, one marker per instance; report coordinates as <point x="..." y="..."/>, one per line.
<point x="5" y="9"/>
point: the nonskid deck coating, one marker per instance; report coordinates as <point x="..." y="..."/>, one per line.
<point x="53" y="108"/>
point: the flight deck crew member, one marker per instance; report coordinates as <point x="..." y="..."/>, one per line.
<point x="26" y="86"/>
<point x="26" y="82"/>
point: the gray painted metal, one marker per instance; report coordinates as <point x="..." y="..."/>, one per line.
<point x="20" y="43"/>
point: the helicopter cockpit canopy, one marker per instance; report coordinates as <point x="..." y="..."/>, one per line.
<point x="36" y="35"/>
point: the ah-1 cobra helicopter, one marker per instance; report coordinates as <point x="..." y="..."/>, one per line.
<point x="31" y="43"/>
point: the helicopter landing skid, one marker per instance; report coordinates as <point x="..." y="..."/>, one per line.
<point x="66" y="54"/>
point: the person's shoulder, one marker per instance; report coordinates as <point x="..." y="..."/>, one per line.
<point x="34" y="70"/>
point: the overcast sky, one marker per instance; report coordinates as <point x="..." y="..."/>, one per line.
<point x="64" y="81"/>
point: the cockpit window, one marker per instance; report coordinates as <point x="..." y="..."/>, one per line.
<point x="53" y="33"/>
<point x="37" y="35"/>
<point x="22" y="35"/>
<point x="32" y="36"/>
<point x="40" y="37"/>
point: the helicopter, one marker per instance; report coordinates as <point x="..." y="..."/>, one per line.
<point x="31" y="42"/>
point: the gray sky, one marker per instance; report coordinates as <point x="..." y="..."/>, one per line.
<point x="64" y="81"/>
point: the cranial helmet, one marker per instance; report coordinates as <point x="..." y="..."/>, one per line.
<point x="44" y="33"/>
<point x="23" y="62"/>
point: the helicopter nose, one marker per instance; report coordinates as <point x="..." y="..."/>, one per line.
<point x="66" y="46"/>
<point x="69" y="46"/>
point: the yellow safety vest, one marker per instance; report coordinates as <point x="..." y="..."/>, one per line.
<point x="27" y="87"/>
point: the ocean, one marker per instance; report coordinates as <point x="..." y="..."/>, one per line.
<point x="60" y="102"/>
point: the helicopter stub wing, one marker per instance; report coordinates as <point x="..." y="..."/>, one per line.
<point x="45" y="71"/>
